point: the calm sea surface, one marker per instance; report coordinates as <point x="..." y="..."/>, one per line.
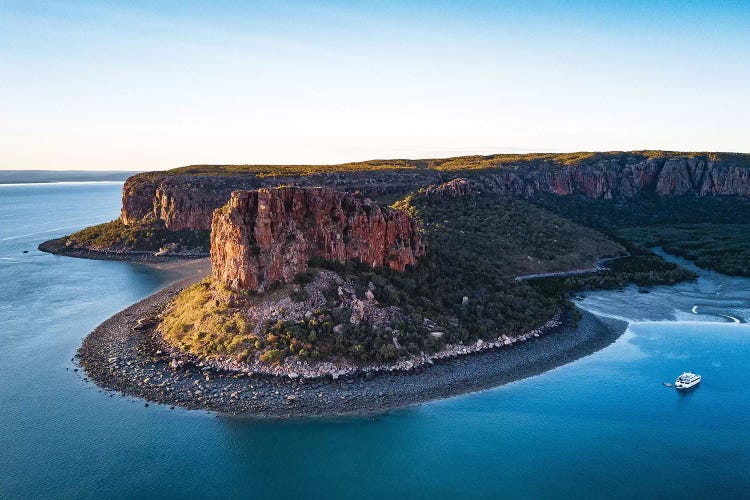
<point x="603" y="426"/>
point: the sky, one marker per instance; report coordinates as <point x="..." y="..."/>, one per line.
<point x="143" y="85"/>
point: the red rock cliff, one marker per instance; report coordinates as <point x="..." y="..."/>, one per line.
<point x="267" y="235"/>
<point x="187" y="201"/>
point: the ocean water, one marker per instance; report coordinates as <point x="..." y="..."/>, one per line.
<point x="603" y="426"/>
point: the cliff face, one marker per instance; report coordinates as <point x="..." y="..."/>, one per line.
<point x="187" y="201"/>
<point x="180" y="202"/>
<point x="267" y="235"/>
<point x="615" y="178"/>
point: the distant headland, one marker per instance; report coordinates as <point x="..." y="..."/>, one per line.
<point x="46" y="176"/>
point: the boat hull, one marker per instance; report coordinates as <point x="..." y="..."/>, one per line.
<point x="689" y="385"/>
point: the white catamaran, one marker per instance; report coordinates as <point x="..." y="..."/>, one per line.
<point x="687" y="380"/>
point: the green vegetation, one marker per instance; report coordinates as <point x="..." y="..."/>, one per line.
<point x="507" y="236"/>
<point x="702" y="229"/>
<point x="722" y="247"/>
<point x="115" y="235"/>
<point x="206" y="319"/>
<point x="316" y="339"/>
<point x="642" y="267"/>
<point x="647" y="209"/>
<point x="464" y="287"/>
<point x="200" y="321"/>
<point x="476" y="245"/>
<point x="459" y="163"/>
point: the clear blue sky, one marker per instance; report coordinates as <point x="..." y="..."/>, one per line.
<point x="153" y="85"/>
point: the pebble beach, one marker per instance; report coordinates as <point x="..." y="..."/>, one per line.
<point x="124" y="355"/>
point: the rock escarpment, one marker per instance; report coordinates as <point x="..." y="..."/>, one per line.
<point x="186" y="200"/>
<point x="267" y="235"/>
<point x="617" y="177"/>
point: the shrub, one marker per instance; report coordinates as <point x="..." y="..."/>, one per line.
<point x="116" y="235"/>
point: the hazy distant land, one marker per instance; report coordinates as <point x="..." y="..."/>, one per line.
<point x="40" y="176"/>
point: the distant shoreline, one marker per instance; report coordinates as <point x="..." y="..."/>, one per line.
<point x="118" y="358"/>
<point x="55" y="183"/>
<point x="21" y="177"/>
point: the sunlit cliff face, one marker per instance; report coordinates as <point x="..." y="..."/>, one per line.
<point x="267" y="236"/>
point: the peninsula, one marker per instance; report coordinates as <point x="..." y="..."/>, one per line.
<point x="366" y="286"/>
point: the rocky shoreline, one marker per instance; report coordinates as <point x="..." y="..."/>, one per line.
<point x="58" y="247"/>
<point x="126" y="355"/>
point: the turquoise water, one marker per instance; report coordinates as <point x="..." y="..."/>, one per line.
<point x="604" y="426"/>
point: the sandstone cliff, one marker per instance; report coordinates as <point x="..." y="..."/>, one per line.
<point x="186" y="198"/>
<point x="267" y="235"/>
<point x="187" y="201"/>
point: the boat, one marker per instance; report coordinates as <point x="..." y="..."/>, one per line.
<point x="687" y="380"/>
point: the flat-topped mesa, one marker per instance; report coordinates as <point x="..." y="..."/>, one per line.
<point x="184" y="199"/>
<point x="268" y="235"/>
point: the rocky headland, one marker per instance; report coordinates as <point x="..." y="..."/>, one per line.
<point x="126" y="354"/>
<point x="322" y="301"/>
<point x="240" y="346"/>
<point x="261" y="242"/>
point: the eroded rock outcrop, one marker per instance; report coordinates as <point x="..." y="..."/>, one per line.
<point x="267" y="235"/>
<point x="454" y="189"/>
